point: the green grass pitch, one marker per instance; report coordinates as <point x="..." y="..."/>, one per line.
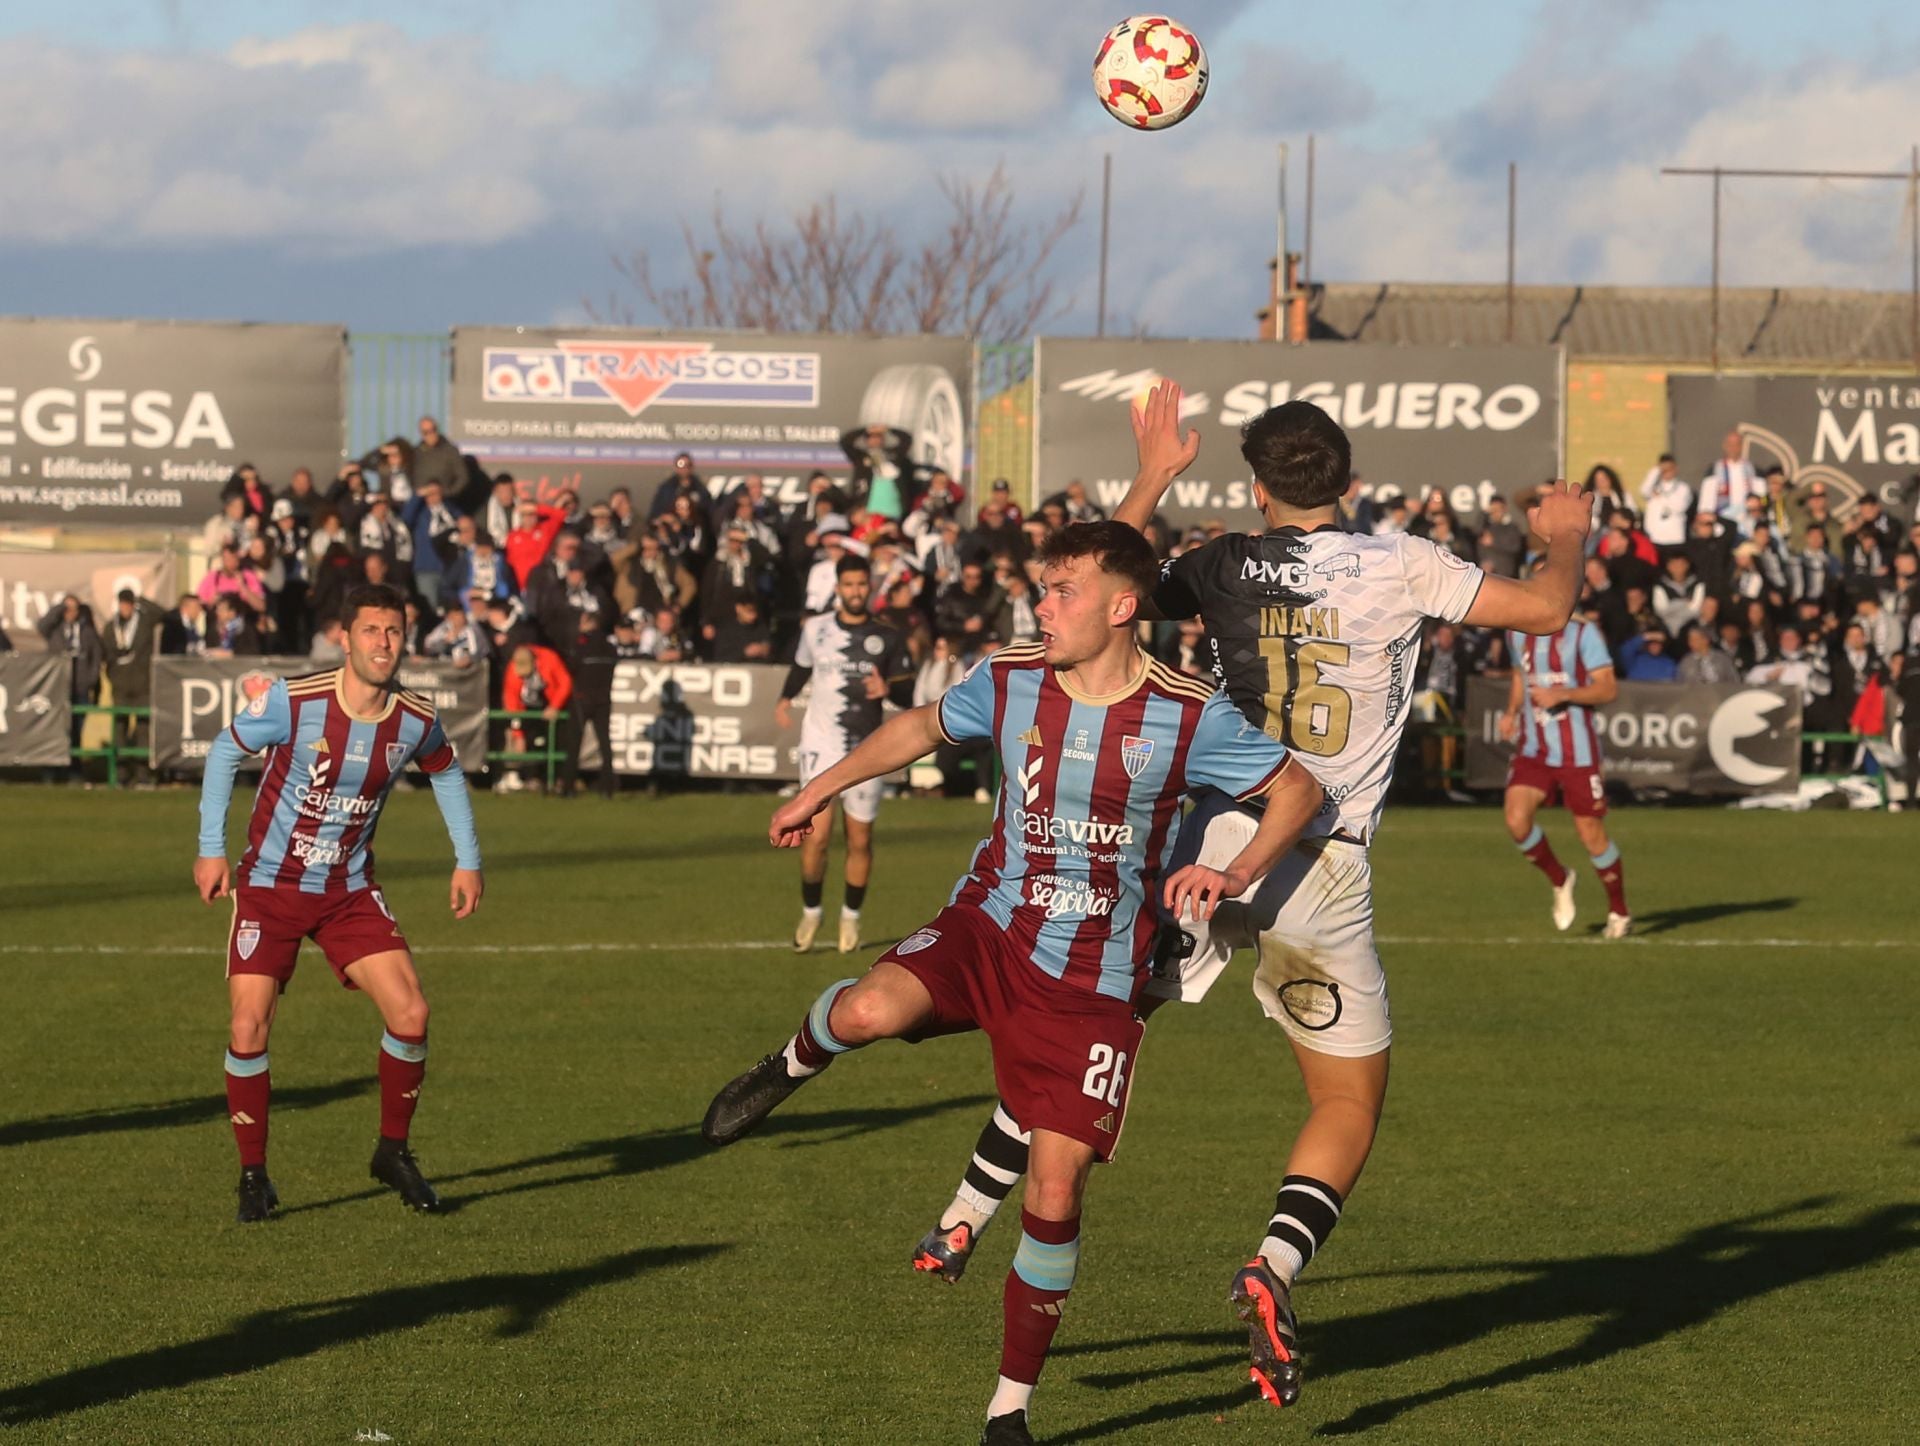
<point x="1655" y="1191"/>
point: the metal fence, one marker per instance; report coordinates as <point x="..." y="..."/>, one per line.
<point x="1004" y="396"/>
<point x="395" y="378"/>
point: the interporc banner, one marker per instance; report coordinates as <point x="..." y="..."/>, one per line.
<point x="594" y="409"/>
<point x="1686" y="738"/>
<point x="194" y="698"/>
<point x="1856" y="434"/>
<point x="32" y="582"/>
<point x="36" y="710"/>
<point x="1472" y="421"/>
<point x="142" y="422"/>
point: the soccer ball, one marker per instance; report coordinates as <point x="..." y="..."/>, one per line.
<point x="1150" y="73"/>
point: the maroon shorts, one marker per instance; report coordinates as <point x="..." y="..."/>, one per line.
<point x="1579" y="788"/>
<point x="268" y="925"/>
<point x="1062" y="1058"/>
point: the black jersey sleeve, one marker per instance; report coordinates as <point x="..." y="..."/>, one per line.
<point x="1183" y="582"/>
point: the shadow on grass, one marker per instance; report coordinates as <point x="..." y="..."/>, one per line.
<point x="1633" y="1300"/>
<point x="622" y="1155"/>
<point x="1664" y="921"/>
<point x="165" y="1114"/>
<point x="290" y="1332"/>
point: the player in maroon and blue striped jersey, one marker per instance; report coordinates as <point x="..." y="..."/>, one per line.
<point x="1558" y="681"/>
<point x="335" y="744"/>
<point x="1045" y="944"/>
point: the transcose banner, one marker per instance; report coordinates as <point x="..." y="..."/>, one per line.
<point x="36" y="710"/>
<point x="595" y="409"/>
<point x="137" y="422"/>
<point x="1687" y="738"/>
<point x="1471" y="421"/>
<point x="1856" y="434"/>
<point x="194" y="698"/>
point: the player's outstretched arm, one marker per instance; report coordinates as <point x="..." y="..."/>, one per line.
<point x="212" y="876"/>
<point x="902" y="739"/>
<point x="1164" y="454"/>
<point x="456" y="811"/>
<point x="1293" y="799"/>
<point x="1543" y="602"/>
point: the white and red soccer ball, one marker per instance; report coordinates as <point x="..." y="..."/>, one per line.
<point x="1150" y="73"/>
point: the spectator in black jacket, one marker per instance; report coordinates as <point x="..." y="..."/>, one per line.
<point x="591" y="659"/>
<point x="1710" y="548"/>
<point x="183" y="632"/>
<point x="133" y="632"/>
<point x="69" y="631"/>
<point x="745" y="637"/>
<point x="996" y="534"/>
<point x="683" y="481"/>
<point x="302" y="496"/>
<point x="971" y="611"/>
<point x="245" y="483"/>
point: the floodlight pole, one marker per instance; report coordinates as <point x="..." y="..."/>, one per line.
<point x="1513" y="194"/>
<point x="1282" y="290"/>
<point x="1716" y="271"/>
<point x="1911" y="176"/>
<point x="1306" y="246"/>
<point x="1106" y="210"/>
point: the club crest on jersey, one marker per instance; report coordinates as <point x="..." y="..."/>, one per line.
<point x="918" y="940"/>
<point x="246" y="938"/>
<point x="874" y="644"/>
<point x="1135" y="753"/>
<point x="1345" y="564"/>
<point x="396" y="757"/>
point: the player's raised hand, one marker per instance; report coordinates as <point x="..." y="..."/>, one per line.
<point x="1164" y="453"/>
<point x="1563" y="508"/>
<point x="465" y="893"/>
<point x="1195" y="892"/>
<point x="213" y="878"/>
<point x="876" y="687"/>
<point x="792" y="822"/>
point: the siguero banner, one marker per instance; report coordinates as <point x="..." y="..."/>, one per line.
<point x="1469" y="421"/>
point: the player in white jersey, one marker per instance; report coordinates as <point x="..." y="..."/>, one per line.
<point x="855" y="663"/>
<point x="1315" y="635"/>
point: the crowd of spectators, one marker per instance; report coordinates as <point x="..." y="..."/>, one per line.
<point x="1740" y="577"/>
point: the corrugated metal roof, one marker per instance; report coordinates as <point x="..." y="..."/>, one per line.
<point x="1783" y="325"/>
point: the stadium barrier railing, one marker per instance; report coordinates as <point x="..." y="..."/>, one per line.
<point x="549" y="753"/>
<point x="115" y="750"/>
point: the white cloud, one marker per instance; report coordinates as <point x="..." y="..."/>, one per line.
<point x="359" y="140"/>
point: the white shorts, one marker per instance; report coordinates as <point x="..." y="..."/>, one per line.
<point x="861" y="802"/>
<point x="1311" y="919"/>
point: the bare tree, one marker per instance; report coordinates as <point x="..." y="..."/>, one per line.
<point x="983" y="273"/>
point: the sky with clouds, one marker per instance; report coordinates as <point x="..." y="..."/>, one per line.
<point x="412" y="167"/>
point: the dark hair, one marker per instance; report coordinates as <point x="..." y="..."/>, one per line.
<point x="373" y="595"/>
<point x="1298" y="454"/>
<point x="1601" y="469"/>
<point x="851" y="562"/>
<point x="1117" y="548"/>
<point x="126" y="594"/>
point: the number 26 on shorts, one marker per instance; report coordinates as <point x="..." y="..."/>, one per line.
<point x="1106" y="1074"/>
